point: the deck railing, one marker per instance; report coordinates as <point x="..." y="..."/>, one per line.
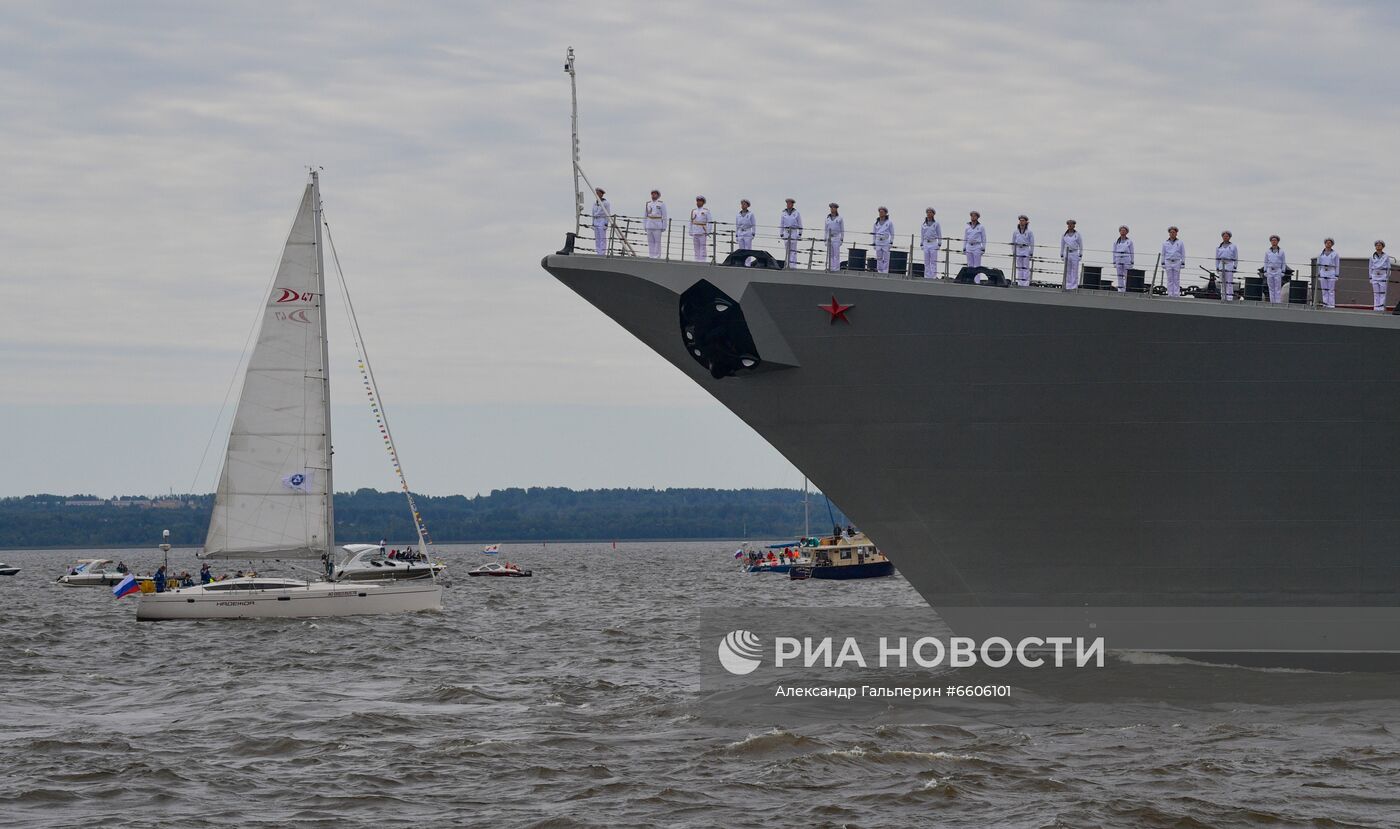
<point x="626" y="236"/>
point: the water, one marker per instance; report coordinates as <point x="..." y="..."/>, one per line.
<point x="569" y="699"/>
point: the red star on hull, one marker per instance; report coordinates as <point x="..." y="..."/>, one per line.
<point x="837" y="311"/>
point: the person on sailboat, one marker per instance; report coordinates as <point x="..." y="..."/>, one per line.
<point x="160" y="579"/>
<point x="204" y="575"/>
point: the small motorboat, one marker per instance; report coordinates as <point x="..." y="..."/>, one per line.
<point x="497" y="568"/>
<point x="7" y="570"/>
<point x="800" y="572"/>
<point x="92" y="572"/>
<point x="369" y="562"/>
<point x="778" y="558"/>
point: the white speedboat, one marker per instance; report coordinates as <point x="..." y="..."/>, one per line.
<point x="7" y="570"/>
<point x="495" y="568"/>
<point x="369" y="562"/>
<point x="262" y="598"/>
<point x="92" y="572"/>
<point x="275" y="500"/>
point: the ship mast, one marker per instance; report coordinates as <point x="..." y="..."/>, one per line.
<point x="578" y="173"/>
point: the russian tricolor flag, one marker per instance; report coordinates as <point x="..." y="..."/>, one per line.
<point x="126" y="586"/>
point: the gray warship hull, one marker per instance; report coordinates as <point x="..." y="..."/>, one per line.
<point x="1170" y="474"/>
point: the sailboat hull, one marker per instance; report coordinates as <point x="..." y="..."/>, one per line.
<point x="317" y="599"/>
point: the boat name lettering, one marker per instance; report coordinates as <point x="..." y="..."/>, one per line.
<point x="233" y="604"/>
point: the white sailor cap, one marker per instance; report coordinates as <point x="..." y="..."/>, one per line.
<point x="1379" y="242"/>
<point x="882" y="207"/>
<point x="699" y="198"/>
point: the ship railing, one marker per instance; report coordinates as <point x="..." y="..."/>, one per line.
<point x="626" y="236"/>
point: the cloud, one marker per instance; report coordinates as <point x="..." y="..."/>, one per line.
<point x="153" y="155"/>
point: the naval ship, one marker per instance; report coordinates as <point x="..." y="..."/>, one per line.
<point x="1172" y="474"/>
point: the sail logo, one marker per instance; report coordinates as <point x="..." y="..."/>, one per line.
<point x="295" y="316"/>
<point x="297" y="481"/>
<point x="739" y="651"/>
<point x="288" y="295"/>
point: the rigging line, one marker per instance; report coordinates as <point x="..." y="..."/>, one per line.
<point x="372" y="387"/>
<point x="247" y="342"/>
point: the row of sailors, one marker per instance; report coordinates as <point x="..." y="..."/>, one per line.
<point x="975" y="244"/>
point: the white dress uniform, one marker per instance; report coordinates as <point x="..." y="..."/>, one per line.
<point x="1123" y="258"/>
<point x="655" y="224"/>
<point x="883" y="234"/>
<point x="1071" y="250"/>
<point x="974" y="242"/>
<point x="1275" y="263"/>
<point x="1227" y="258"/>
<point x="835" y="238"/>
<point x="1173" y="260"/>
<point x="790" y="229"/>
<point x="1329" y="264"/>
<point x="745" y="227"/>
<point x="1379" y="270"/>
<point x="602" y="214"/>
<point x="1022" y="248"/>
<point x="931" y="239"/>
<point x="700" y="220"/>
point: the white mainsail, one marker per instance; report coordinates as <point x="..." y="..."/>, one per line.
<point x="274" y="497"/>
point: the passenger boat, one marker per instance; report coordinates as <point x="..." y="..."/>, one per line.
<point x="849" y="557"/>
<point x="92" y="572"/>
<point x="496" y="568"/>
<point x="275" y="500"/>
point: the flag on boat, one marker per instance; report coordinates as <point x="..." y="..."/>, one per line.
<point x="125" y="586"/>
<point x="299" y="481"/>
<point x="739" y="553"/>
<point x="490" y="549"/>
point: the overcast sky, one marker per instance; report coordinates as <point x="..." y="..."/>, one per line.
<point x="152" y="156"/>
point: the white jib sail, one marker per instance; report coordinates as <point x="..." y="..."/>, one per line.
<point x="273" y="497"/>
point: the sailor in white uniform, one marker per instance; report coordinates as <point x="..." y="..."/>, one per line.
<point x="1227" y="258"/>
<point x="1329" y="264"/>
<point x="700" y="221"/>
<point x="602" y="216"/>
<point x="1379" y="271"/>
<point x="745" y="226"/>
<point x="655" y="223"/>
<point x="1275" y="263"/>
<point x="790" y="229"/>
<point x="1022" y="248"/>
<point x="883" y="235"/>
<point x="1071" y="250"/>
<point x="1173" y="260"/>
<point x="931" y="239"/>
<point x="1123" y="257"/>
<point x="835" y="237"/>
<point x="974" y="239"/>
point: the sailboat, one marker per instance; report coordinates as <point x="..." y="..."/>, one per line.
<point x="275" y="500"/>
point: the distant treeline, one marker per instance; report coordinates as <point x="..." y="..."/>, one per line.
<point x="535" y="514"/>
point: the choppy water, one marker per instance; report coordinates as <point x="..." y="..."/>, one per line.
<point x="570" y="699"/>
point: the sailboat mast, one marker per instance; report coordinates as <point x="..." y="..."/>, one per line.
<point x="325" y="365"/>
<point x="806" y="511"/>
